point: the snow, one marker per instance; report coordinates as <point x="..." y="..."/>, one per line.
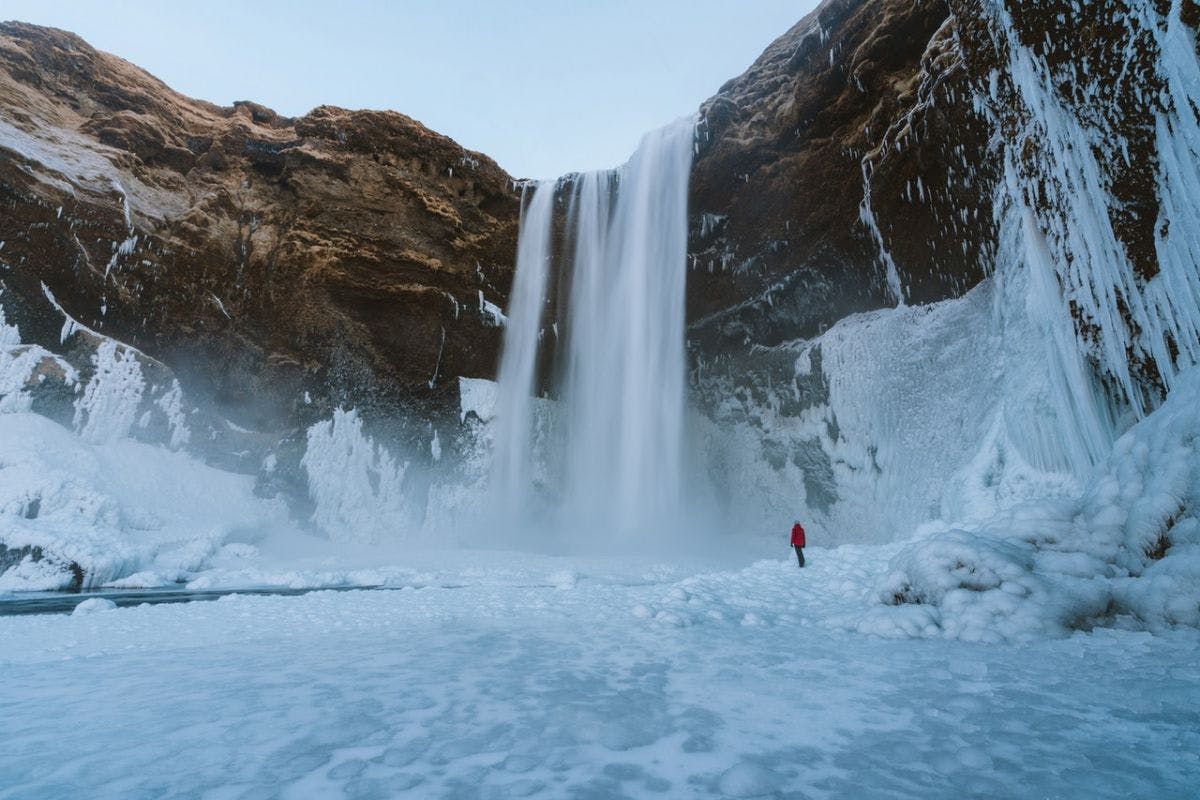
<point x="63" y="158"/>
<point x="747" y="779"/>
<point x="115" y="507"/>
<point x="1040" y="651"/>
<point x="489" y="688"/>
<point x="496" y="673"/>
<point x="93" y="605"/>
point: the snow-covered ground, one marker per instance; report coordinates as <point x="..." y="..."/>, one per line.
<point x="1047" y="651"/>
<point x="566" y="677"/>
<point x="1014" y="628"/>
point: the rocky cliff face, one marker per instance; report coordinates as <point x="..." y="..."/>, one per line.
<point x="858" y="164"/>
<point x="279" y="267"/>
<point x="846" y="170"/>
<point x="902" y="153"/>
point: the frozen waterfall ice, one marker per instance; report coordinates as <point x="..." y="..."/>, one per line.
<point x="619" y="272"/>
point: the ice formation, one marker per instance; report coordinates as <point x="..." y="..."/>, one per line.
<point x="108" y="406"/>
<point x="85" y="513"/>
<point x="1126" y="551"/>
<point x="355" y="483"/>
<point x="22" y="365"/>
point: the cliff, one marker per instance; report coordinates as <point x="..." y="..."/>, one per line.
<point x="866" y="158"/>
<point x="845" y="170"/>
<point x="280" y="267"/>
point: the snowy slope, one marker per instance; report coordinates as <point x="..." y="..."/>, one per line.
<point x="115" y="509"/>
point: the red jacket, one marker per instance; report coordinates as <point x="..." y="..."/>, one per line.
<point x="797" y="535"/>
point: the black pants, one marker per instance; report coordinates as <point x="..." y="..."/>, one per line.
<point x="800" y="554"/>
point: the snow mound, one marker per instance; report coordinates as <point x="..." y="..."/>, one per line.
<point x="93" y="605"/>
<point x="1125" y="553"/>
<point x="81" y="514"/>
<point x="750" y="780"/>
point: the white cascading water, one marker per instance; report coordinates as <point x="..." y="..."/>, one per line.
<point x="620" y="440"/>
<point x="518" y="366"/>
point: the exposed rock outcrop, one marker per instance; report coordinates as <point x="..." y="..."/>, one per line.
<point x="858" y="162"/>
<point x="847" y="169"/>
<point x="279" y="266"/>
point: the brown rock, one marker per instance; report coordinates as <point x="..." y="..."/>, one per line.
<point x="859" y="99"/>
<point x="340" y="254"/>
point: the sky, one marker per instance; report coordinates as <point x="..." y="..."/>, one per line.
<point x="544" y="87"/>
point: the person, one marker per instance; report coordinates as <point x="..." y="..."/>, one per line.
<point x="798" y="541"/>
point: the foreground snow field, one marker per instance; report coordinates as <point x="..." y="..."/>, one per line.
<point x="583" y="678"/>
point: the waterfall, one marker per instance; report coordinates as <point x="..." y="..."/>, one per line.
<point x="518" y="365"/>
<point x="620" y="376"/>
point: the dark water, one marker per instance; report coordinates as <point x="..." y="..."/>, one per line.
<point x="22" y="603"/>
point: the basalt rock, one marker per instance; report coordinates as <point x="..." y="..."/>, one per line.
<point x="867" y="157"/>
<point x="279" y="267"/>
<point x="846" y="170"/>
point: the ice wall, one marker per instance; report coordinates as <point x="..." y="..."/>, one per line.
<point x="889" y="420"/>
<point x="1065" y="135"/>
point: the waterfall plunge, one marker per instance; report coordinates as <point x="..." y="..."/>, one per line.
<point x="512" y="466"/>
<point x="620" y="371"/>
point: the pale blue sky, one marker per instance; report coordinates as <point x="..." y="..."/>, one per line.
<point x="542" y="86"/>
